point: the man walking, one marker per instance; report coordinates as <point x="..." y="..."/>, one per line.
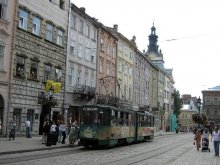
<point x="28" y="127"/>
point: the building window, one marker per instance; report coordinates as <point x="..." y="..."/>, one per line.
<point x="3" y="9"/>
<point x="49" y="32"/>
<point x="113" y="52"/>
<point x="101" y="66"/>
<point x="71" y="76"/>
<point x="86" y="78"/>
<point x="73" y="22"/>
<point x="87" y="30"/>
<point x="23" y="20"/>
<point x="78" y="80"/>
<point x="33" y="70"/>
<point x="61" y="4"/>
<point x="20" y="67"/>
<point x="72" y="50"/>
<point x="102" y="44"/>
<point x="59" y="37"/>
<point x="47" y="72"/>
<point x="2" y="50"/>
<point x="36" y="26"/>
<point x="93" y="33"/>
<point x="93" y="57"/>
<point x="58" y="75"/>
<point x="108" y="49"/>
<point x="81" y="26"/>
<point x="108" y="69"/>
<point x="79" y="52"/>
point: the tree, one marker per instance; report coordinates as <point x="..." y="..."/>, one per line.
<point x="200" y="118"/>
<point x="178" y="102"/>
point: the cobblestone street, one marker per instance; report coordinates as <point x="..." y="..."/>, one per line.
<point x="176" y="149"/>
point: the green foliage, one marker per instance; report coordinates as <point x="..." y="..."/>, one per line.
<point x="178" y="102"/>
<point x="47" y="102"/>
<point x="199" y="118"/>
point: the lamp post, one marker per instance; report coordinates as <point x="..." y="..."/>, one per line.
<point x="50" y="99"/>
<point x="199" y="103"/>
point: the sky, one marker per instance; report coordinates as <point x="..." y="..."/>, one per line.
<point x="188" y="35"/>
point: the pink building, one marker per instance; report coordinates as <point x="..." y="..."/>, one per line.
<point x="106" y="68"/>
<point x="7" y="33"/>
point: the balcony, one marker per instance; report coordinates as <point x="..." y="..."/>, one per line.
<point x="85" y="91"/>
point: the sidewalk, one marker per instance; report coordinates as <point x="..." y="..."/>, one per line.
<point x="22" y="144"/>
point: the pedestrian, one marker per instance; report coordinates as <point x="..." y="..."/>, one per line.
<point x="216" y="140"/>
<point x="53" y="133"/>
<point x="12" y="126"/>
<point x="197" y="139"/>
<point x="60" y="132"/>
<point x="28" y="127"/>
<point x="73" y="135"/>
<point x="64" y="129"/>
<point x="46" y="131"/>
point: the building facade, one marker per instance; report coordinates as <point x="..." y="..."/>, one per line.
<point x="211" y="105"/>
<point x="106" y="67"/>
<point x="142" y="82"/>
<point x="39" y="55"/>
<point x="81" y="62"/>
<point x="7" y="32"/>
<point x="125" y="67"/>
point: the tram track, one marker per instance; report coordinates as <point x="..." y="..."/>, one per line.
<point x="143" y="156"/>
<point x="41" y="156"/>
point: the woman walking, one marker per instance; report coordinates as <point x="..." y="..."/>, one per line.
<point x="197" y="138"/>
<point x="216" y="140"/>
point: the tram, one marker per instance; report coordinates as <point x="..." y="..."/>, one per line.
<point x="106" y="126"/>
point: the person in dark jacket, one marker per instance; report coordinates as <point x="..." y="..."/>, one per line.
<point x="46" y="131"/>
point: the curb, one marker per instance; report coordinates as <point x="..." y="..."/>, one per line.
<point x="36" y="149"/>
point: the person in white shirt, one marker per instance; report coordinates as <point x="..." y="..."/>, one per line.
<point x="28" y="127"/>
<point x="216" y="140"/>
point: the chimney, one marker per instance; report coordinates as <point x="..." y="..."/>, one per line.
<point x="115" y="28"/>
<point x="83" y="9"/>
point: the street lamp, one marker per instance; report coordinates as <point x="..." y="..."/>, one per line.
<point x="50" y="100"/>
<point x="199" y="103"/>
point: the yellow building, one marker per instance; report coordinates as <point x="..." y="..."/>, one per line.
<point x="185" y="117"/>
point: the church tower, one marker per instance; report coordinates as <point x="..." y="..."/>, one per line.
<point x="153" y="47"/>
<point x="153" y="53"/>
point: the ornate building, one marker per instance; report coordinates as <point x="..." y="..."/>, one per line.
<point x="81" y="62"/>
<point x="211" y="105"/>
<point x="39" y="55"/>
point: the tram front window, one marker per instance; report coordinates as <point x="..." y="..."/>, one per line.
<point x="89" y="115"/>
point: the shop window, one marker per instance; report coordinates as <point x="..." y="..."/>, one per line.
<point x="17" y="118"/>
<point x="30" y="117"/>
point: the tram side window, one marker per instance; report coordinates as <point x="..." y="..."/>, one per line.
<point x="106" y="117"/>
<point x="121" y="120"/>
<point x="113" y="118"/>
<point x="126" y="119"/>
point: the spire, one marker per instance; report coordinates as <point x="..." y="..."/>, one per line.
<point x="153" y="47"/>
